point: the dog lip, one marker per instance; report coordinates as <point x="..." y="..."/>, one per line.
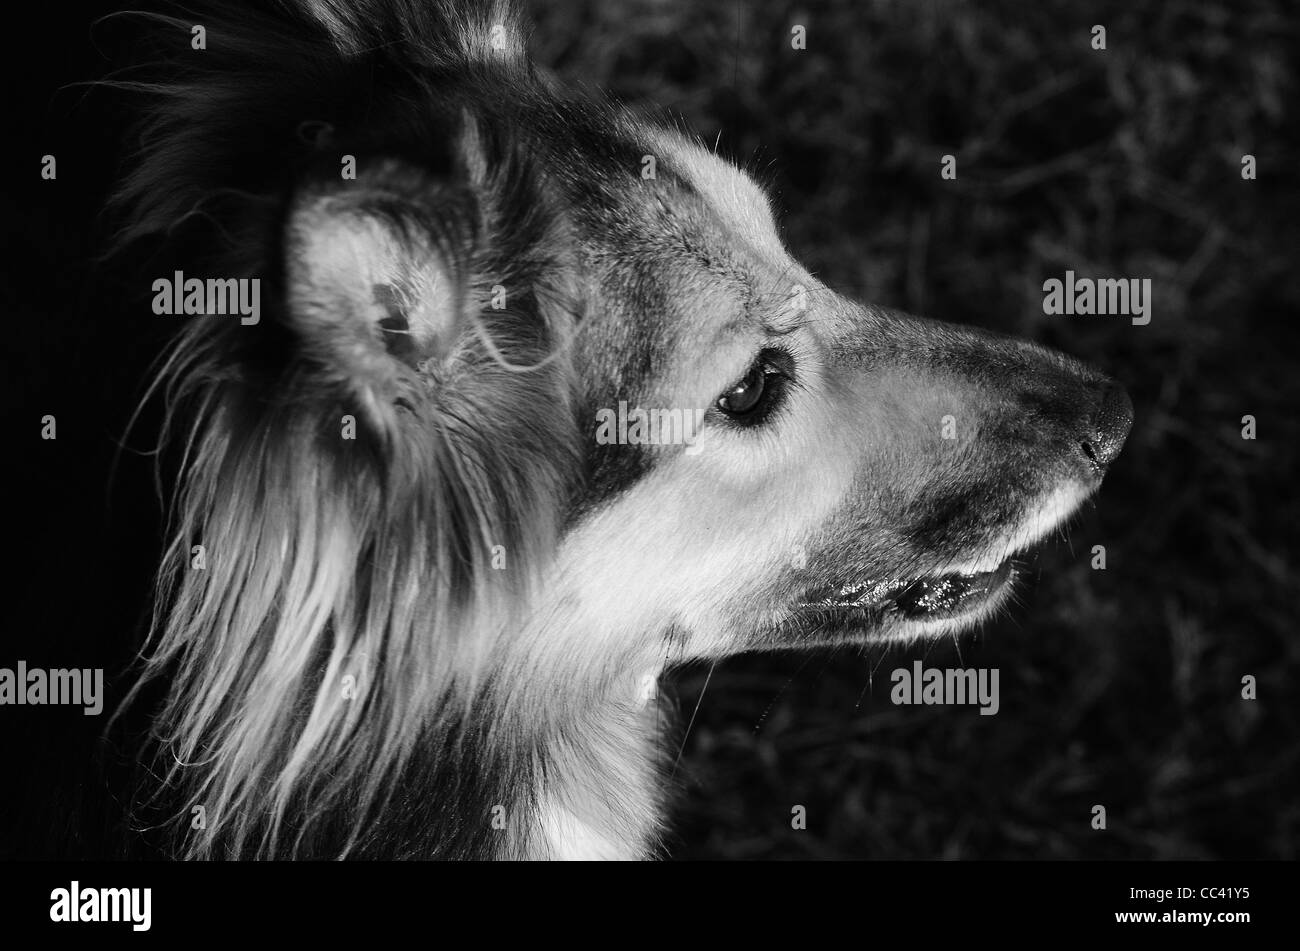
<point x="924" y="597"/>
<point x="950" y="595"/>
<point x="939" y="594"/>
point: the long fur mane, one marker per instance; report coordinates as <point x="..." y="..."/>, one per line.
<point x="344" y="617"/>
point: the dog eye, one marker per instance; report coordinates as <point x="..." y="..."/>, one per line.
<point x="745" y="395"/>
<point x="755" y="395"/>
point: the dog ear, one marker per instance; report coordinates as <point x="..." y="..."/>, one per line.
<point x="434" y="292"/>
<point x="378" y="280"/>
<point x="480" y="30"/>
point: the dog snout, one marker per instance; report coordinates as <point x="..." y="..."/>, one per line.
<point x="1108" y="427"/>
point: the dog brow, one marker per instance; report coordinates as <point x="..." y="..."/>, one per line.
<point x="774" y="316"/>
<point x="788" y="315"/>
<point x="732" y="193"/>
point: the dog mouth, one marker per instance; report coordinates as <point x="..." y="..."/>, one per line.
<point x="923" y="598"/>
<point x="965" y="592"/>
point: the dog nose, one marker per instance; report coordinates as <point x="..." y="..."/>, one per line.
<point x="1110" y="426"/>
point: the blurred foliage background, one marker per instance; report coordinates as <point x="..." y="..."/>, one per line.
<point x="1119" y="687"/>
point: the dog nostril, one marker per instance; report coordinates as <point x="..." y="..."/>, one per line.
<point x="1110" y="426"/>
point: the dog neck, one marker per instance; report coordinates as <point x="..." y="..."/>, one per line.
<point x="601" y="793"/>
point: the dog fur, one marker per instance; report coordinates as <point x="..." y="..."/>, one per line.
<point x="440" y="638"/>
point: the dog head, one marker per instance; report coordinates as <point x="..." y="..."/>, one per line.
<point x="858" y="473"/>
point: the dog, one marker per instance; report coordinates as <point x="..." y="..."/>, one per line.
<point x="535" y="407"/>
